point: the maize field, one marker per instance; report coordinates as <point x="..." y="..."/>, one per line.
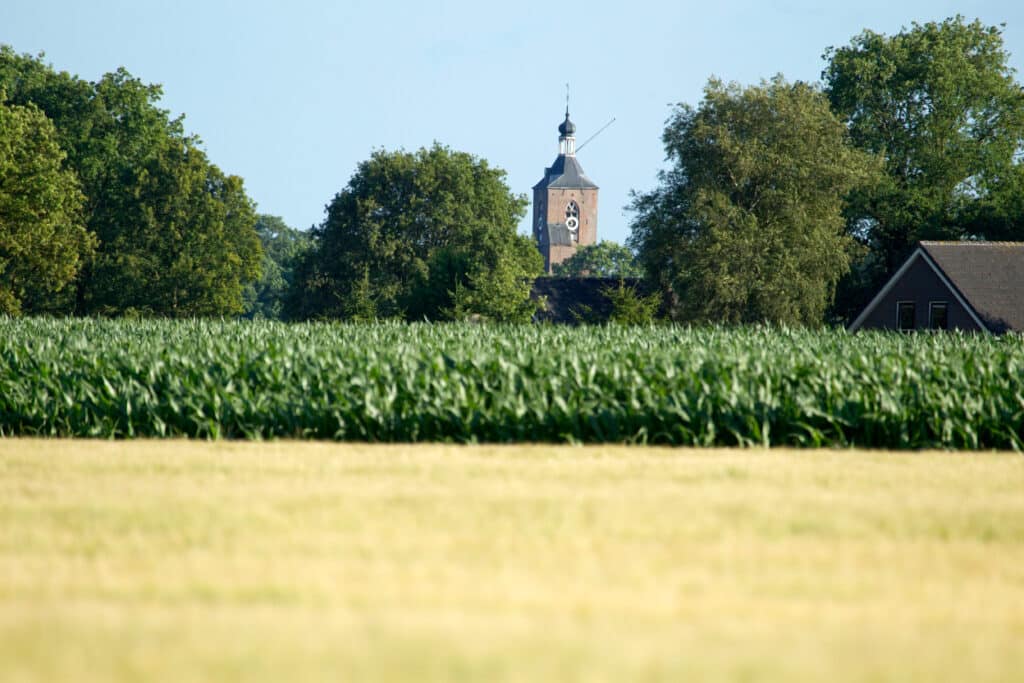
<point x="466" y="383"/>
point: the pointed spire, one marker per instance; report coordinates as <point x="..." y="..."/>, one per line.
<point x="567" y="131"/>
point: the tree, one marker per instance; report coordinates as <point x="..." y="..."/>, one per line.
<point x="629" y="307"/>
<point x="604" y="259"/>
<point x="409" y="232"/>
<point x="283" y="248"/>
<point x="43" y="240"/>
<point x="747" y="225"/>
<point x="498" y="288"/>
<point x="176" y="235"/>
<point x="939" y="102"/>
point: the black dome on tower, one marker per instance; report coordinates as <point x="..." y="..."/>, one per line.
<point x="567" y="127"/>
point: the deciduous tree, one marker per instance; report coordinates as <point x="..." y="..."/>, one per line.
<point x="940" y="103"/>
<point x="604" y="259"/>
<point x="747" y="224"/>
<point x="283" y="248"/>
<point x="43" y="240"/>
<point x="176" y="235"/>
<point x="408" y="232"/>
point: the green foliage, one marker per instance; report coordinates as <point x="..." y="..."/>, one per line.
<point x="461" y="382"/>
<point x="408" y="232"/>
<point x="629" y="307"/>
<point x="283" y="248"/>
<point x="175" y="234"/>
<point x="43" y="240"/>
<point x="940" y="103"/>
<point x="604" y="259"/>
<point x="747" y="225"/>
<point x="500" y="291"/>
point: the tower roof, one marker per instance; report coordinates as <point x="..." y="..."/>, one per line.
<point x="565" y="172"/>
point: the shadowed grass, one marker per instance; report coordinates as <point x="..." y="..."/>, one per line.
<point x="171" y="561"/>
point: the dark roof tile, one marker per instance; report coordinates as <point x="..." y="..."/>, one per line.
<point x="989" y="275"/>
<point x="559" y="235"/>
<point x="565" y="172"/>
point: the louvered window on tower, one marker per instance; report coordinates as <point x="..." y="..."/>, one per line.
<point x="572" y="220"/>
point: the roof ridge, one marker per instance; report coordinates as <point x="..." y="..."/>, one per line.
<point x="981" y="243"/>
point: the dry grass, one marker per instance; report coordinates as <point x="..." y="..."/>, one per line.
<point x="179" y="561"/>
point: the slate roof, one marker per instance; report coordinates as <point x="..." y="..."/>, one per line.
<point x="559" y="235"/>
<point x="576" y="300"/>
<point x="573" y="299"/>
<point x="989" y="276"/>
<point x="565" y="172"/>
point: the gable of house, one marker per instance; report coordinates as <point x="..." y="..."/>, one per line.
<point x="920" y="287"/>
<point x="952" y="285"/>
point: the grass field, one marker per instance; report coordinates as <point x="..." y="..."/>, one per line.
<point x="187" y="561"/>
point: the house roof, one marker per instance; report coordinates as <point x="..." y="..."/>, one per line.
<point x="575" y="300"/>
<point x="565" y="172"/>
<point x="989" y="275"/>
<point x="986" y="277"/>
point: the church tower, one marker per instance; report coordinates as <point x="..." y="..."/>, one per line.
<point x="564" y="203"/>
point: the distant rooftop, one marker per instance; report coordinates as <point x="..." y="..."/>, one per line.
<point x="989" y="275"/>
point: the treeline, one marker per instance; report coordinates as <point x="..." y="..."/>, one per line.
<point x="107" y="206"/>
<point x="785" y="202"/>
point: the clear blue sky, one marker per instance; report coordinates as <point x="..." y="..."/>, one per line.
<point x="291" y="95"/>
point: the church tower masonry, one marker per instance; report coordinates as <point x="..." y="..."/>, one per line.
<point x="564" y="203"/>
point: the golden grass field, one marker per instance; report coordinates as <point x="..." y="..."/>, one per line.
<point x="189" y="561"/>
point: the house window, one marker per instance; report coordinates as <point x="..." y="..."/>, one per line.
<point x="938" y="318"/>
<point x="905" y="315"/>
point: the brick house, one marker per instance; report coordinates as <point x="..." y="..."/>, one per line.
<point x="973" y="286"/>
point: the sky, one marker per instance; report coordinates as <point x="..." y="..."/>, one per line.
<point x="291" y="96"/>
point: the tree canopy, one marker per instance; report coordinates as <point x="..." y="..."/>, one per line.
<point x="283" y="249"/>
<point x="428" y="234"/>
<point x="175" y="234"/>
<point x="747" y="224"/>
<point x="43" y="240"/>
<point x="939" y="102"/>
<point x="604" y="259"/>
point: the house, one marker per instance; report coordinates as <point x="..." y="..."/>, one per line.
<point x="975" y="286"/>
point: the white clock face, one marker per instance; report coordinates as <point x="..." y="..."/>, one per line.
<point x="572" y="223"/>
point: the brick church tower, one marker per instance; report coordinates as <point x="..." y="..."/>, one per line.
<point x="564" y="203"/>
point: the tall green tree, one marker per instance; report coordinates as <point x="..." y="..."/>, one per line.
<point x="409" y="232"/>
<point x="940" y="103"/>
<point x="283" y="248"/>
<point x="43" y="239"/>
<point x="604" y="259"/>
<point x="747" y="224"/>
<point x="176" y="235"/>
